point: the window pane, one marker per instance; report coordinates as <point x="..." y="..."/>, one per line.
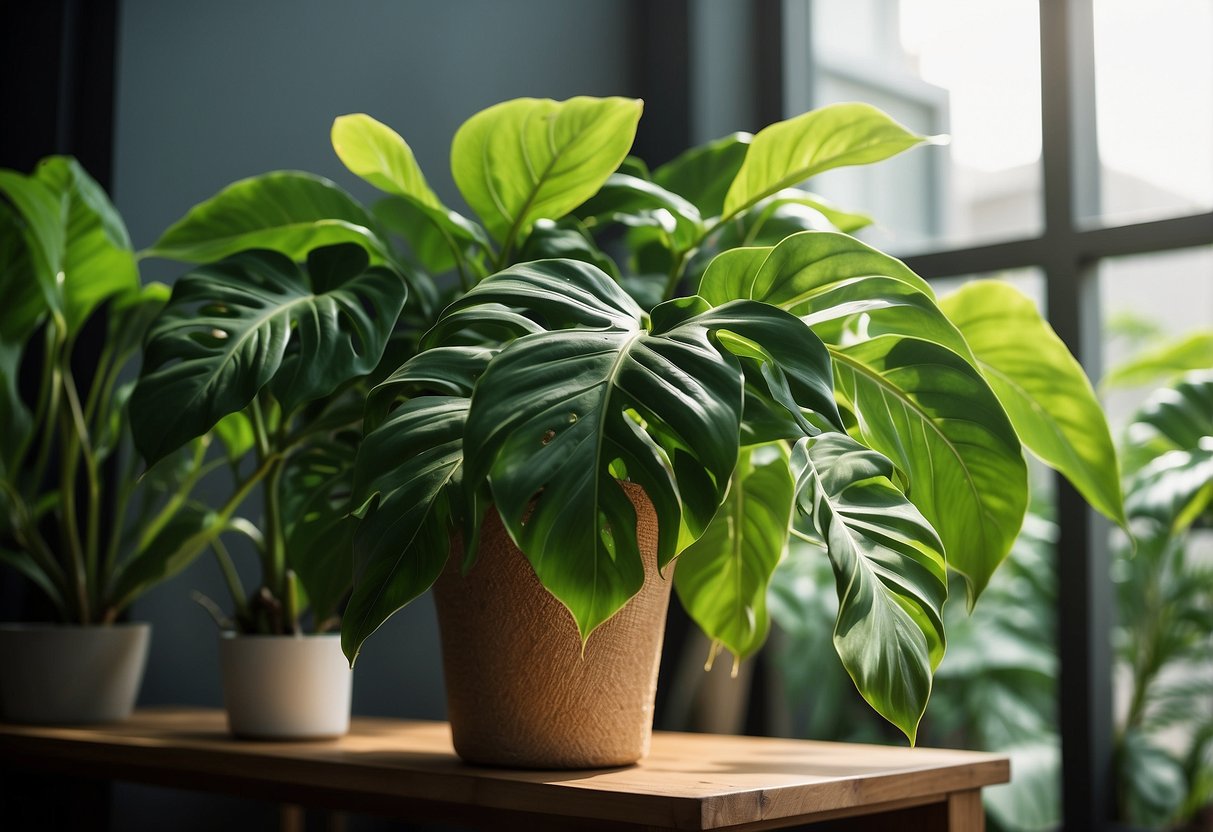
<point x="1164" y="675"/>
<point x="996" y="687"/>
<point x="1154" y="107"/>
<point x="971" y="70"/>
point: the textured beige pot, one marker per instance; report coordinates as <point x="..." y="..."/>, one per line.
<point x="519" y="692"/>
<point x="71" y="675"/>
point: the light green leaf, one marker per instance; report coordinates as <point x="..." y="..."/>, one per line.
<point x="1172" y="418"/>
<point x="1042" y="386"/>
<point x="889" y="569"/>
<point x="286" y="211"/>
<point x="253" y="320"/>
<point x="936" y="418"/>
<point x="703" y="174"/>
<point x="1172" y="359"/>
<point x="43" y="227"/>
<point x="789" y="152"/>
<point x="530" y="158"/>
<point x="377" y="154"/>
<point x="97" y="259"/>
<point x="722" y="577"/>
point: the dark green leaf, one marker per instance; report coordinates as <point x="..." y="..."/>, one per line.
<point x="254" y="320"/>
<point x="889" y="568"/>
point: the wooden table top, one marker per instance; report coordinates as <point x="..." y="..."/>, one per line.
<point x="689" y="781"/>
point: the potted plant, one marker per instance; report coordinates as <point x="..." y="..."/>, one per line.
<point x="271" y="348"/>
<point x="816" y="379"/>
<point x="73" y="519"/>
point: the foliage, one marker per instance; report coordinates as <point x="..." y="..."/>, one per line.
<point x="66" y="272"/>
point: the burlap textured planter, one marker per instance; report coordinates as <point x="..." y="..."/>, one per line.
<point x="519" y="692"/>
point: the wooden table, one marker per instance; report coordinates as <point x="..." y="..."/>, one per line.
<point x="408" y="770"/>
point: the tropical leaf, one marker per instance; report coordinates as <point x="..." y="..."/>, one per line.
<point x="638" y="202"/>
<point x="703" y="174"/>
<point x="315" y="489"/>
<point x="1165" y="363"/>
<point x="376" y="153"/>
<point x="45" y="233"/>
<point x="257" y="320"/>
<point x="408" y="478"/>
<point x="936" y="418"/>
<point x="1172" y="418"/>
<point x="567" y="239"/>
<point x="789" y="152"/>
<point x="285" y="211"/>
<point x="601" y="393"/>
<point x="1174" y="489"/>
<point x="24" y="304"/>
<point x="722" y="577"/>
<point x="889" y="568"/>
<point x="1042" y="387"/>
<point x="531" y="158"/>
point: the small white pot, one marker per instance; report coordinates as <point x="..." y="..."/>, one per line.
<point x="285" y="687"/>
<point x="71" y="675"/>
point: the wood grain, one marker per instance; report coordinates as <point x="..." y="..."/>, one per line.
<point x="688" y="781"/>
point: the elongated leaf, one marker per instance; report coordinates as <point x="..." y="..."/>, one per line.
<point x="377" y="154"/>
<point x="889" y="569"/>
<point x="24" y="304"/>
<point x="703" y="174"/>
<point x="530" y="158"/>
<point x="1175" y="488"/>
<point x="789" y="152"/>
<point x="286" y="211"/>
<point x="43" y="228"/>
<point x="722" y="577"/>
<point x="410" y="471"/>
<point x="254" y="320"/>
<point x="1042" y="386"/>
<point x="97" y="259"/>
<point x="181" y="540"/>
<point x="1165" y="363"/>
<point x="567" y="239"/>
<point x="936" y="418"/>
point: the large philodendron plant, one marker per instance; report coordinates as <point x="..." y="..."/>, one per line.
<point x="74" y="519"/>
<point x="816" y="380"/>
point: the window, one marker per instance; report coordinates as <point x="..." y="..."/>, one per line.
<point x="1082" y="157"/>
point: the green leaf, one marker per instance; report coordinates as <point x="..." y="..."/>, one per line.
<point x="703" y="174"/>
<point x="377" y="154"/>
<point x="316" y="491"/>
<point x="97" y="259"/>
<point x="286" y="211"/>
<point x="1174" y="489"/>
<point x="253" y="320"/>
<point x="410" y="471"/>
<point x="35" y="574"/>
<point x="43" y="227"/>
<point x="1172" y="418"/>
<point x="789" y="152"/>
<point x="637" y="202"/>
<point x="657" y="400"/>
<point x="531" y="158"/>
<point x="936" y="418"/>
<point x="181" y="540"/>
<point x="568" y="239"/>
<point x="24" y="306"/>
<point x="1042" y="386"/>
<point x="1172" y="359"/>
<point x="889" y="568"/>
<point x="722" y="577"/>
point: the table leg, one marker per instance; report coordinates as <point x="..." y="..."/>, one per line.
<point x="965" y="812"/>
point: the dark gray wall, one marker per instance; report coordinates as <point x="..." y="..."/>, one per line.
<point x="209" y="92"/>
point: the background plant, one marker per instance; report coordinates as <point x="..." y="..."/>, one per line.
<point x="73" y="519"/>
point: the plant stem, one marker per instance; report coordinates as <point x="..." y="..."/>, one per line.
<point x="676" y="271"/>
<point x="174" y="503"/>
<point x="232" y="578"/>
<point x="69" y="521"/>
<point x="82" y="448"/>
<point x="274" y="555"/>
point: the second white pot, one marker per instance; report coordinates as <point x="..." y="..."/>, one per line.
<point x="285" y="687"/>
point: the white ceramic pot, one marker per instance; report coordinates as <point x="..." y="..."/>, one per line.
<point x="71" y="675"/>
<point x="285" y="687"/>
